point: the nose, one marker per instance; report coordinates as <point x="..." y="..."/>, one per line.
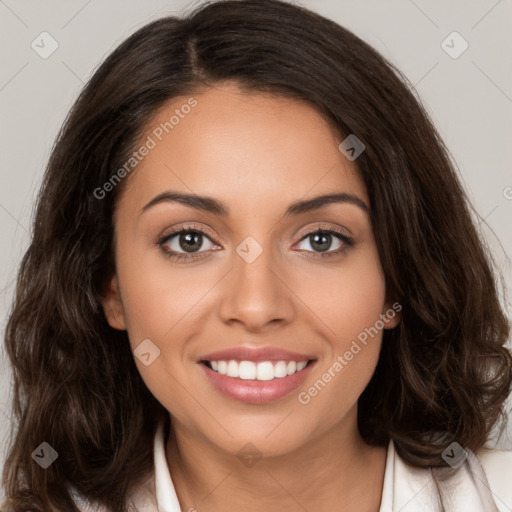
<point x="256" y="294"/>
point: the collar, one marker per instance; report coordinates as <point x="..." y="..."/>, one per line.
<point x="167" y="500"/>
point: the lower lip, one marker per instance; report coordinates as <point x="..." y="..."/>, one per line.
<point x="256" y="391"/>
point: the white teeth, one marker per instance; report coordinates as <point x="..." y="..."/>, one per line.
<point x="232" y="369"/>
<point x="280" y="369"/>
<point x="264" y="370"/>
<point x="291" y="367"/>
<point x="247" y="370"/>
<point x="301" y="365"/>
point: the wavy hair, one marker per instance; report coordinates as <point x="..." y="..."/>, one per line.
<point x="444" y="372"/>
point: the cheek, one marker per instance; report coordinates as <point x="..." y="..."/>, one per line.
<point x="348" y="303"/>
<point x="346" y="299"/>
<point x="157" y="295"/>
<point x="162" y="303"/>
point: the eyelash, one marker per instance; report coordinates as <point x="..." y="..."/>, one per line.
<point x="194" y="229"/>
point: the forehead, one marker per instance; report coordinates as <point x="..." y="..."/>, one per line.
<point x="252" y="150"/>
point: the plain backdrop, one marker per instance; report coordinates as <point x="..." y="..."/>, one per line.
<point x="468" y="96"/>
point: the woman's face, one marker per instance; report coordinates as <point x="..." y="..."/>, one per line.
<point x="250" y="274"/>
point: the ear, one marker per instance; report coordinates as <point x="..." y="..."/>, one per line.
<point x="113" y="306"/>
<point x="391" y="315"/>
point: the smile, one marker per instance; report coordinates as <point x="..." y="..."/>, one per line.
<point x="255" y="375"/>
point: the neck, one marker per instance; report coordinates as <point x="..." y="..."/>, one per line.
<point x="334" y="471"/>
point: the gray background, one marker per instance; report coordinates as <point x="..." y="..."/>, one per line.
<point x="469" y="99"/>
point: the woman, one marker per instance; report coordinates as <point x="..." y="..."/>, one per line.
<point x="254" y="268"/>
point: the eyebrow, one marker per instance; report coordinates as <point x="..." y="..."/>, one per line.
<point x="211" y="205"/>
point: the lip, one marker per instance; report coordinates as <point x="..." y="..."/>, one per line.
<point x="255" y="354"/>
<point x="256" y="391"/>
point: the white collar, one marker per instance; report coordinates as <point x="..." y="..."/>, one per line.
<point x="406" y="488"/>
<point x="167" y="500"/>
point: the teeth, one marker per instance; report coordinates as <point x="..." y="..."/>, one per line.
<point x="246" y="370"/>
<point x="232" y="369"/>
<point x="291" y="367"/>
<point x="280" y="369"/>
<point x="264" y="370"/>
<point x="301" y="365"/>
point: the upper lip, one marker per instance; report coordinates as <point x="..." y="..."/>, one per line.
<point x="255" y="354"/>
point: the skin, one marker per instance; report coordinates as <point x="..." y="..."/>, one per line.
<point x="256" y="153"/>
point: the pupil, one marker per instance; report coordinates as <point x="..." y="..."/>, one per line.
<point x="190" y="241"/>
<point x="322" y="241"/>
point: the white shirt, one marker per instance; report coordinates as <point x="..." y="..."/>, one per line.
<point x="481" y="484"/>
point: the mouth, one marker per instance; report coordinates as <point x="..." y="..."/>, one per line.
<point x="256" y="376"/>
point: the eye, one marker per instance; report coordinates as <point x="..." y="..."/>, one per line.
<point x="185" y="243"/>
<point x="321" y="240"/>
<point x="189" y="242"/>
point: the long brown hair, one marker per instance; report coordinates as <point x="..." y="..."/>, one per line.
<point x="443" y="373"/>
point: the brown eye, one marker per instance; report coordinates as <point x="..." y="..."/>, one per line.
<point x="190" y="242"/>
<point x="322" y="241"/>
<point x="185" y="241"/>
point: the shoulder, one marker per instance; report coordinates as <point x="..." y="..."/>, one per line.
<point x="497" y="465"/>
<point x="481" y="483"/>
